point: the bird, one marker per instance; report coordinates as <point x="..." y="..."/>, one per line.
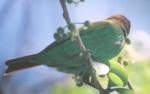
<point x="105" y="39"/>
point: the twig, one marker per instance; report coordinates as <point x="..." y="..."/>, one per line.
<point x="84" y="50"/>
<point x="129" y="85"/>
<point x="65" y="11"/>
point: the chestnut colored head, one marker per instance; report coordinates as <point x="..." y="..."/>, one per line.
<point x="122" y="21"/>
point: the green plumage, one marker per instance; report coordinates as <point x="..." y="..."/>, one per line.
<point x="101" y="38"/>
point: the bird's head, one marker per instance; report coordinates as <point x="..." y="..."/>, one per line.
<point x="123" y="22"/>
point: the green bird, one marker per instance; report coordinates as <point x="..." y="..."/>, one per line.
<point x="105" y="39"/>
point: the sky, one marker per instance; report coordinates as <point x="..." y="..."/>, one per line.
<point x="27" y="27"/>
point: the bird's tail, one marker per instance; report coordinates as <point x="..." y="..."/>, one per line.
<point x="20" y="63"/>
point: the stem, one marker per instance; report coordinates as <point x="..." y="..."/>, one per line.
<point x="129" y="85"/>
<point x="84" y="50"/>
<point x="65" y="11"/>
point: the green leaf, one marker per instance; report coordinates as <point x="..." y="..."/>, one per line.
<point x="125" y="91"/>
<point x="103" y="80"/>
<point x="120" y="71"/>
<point x="114" y="80"/>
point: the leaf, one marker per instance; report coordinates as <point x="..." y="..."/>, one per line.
<point x="125" y="91"/>
<point x="114" y="80"/>
<point x="103" y="81"/>
<point x="120" y="71"/>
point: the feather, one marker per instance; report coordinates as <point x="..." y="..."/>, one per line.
<point x="100" y="38"/>
<point x="21" y="63"/>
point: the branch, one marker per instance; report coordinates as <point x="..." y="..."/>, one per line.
<point x="77" y="36"/>
<point x="129" y="85"/>
<point x="84" y="50"/>
<point x="65" y="11"/>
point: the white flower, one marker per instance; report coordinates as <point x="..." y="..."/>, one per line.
<point x="101" y="69"/>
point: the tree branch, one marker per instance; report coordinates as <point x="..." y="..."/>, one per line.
<point x="84" y="50"/>
<point x="65" y="11"/>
